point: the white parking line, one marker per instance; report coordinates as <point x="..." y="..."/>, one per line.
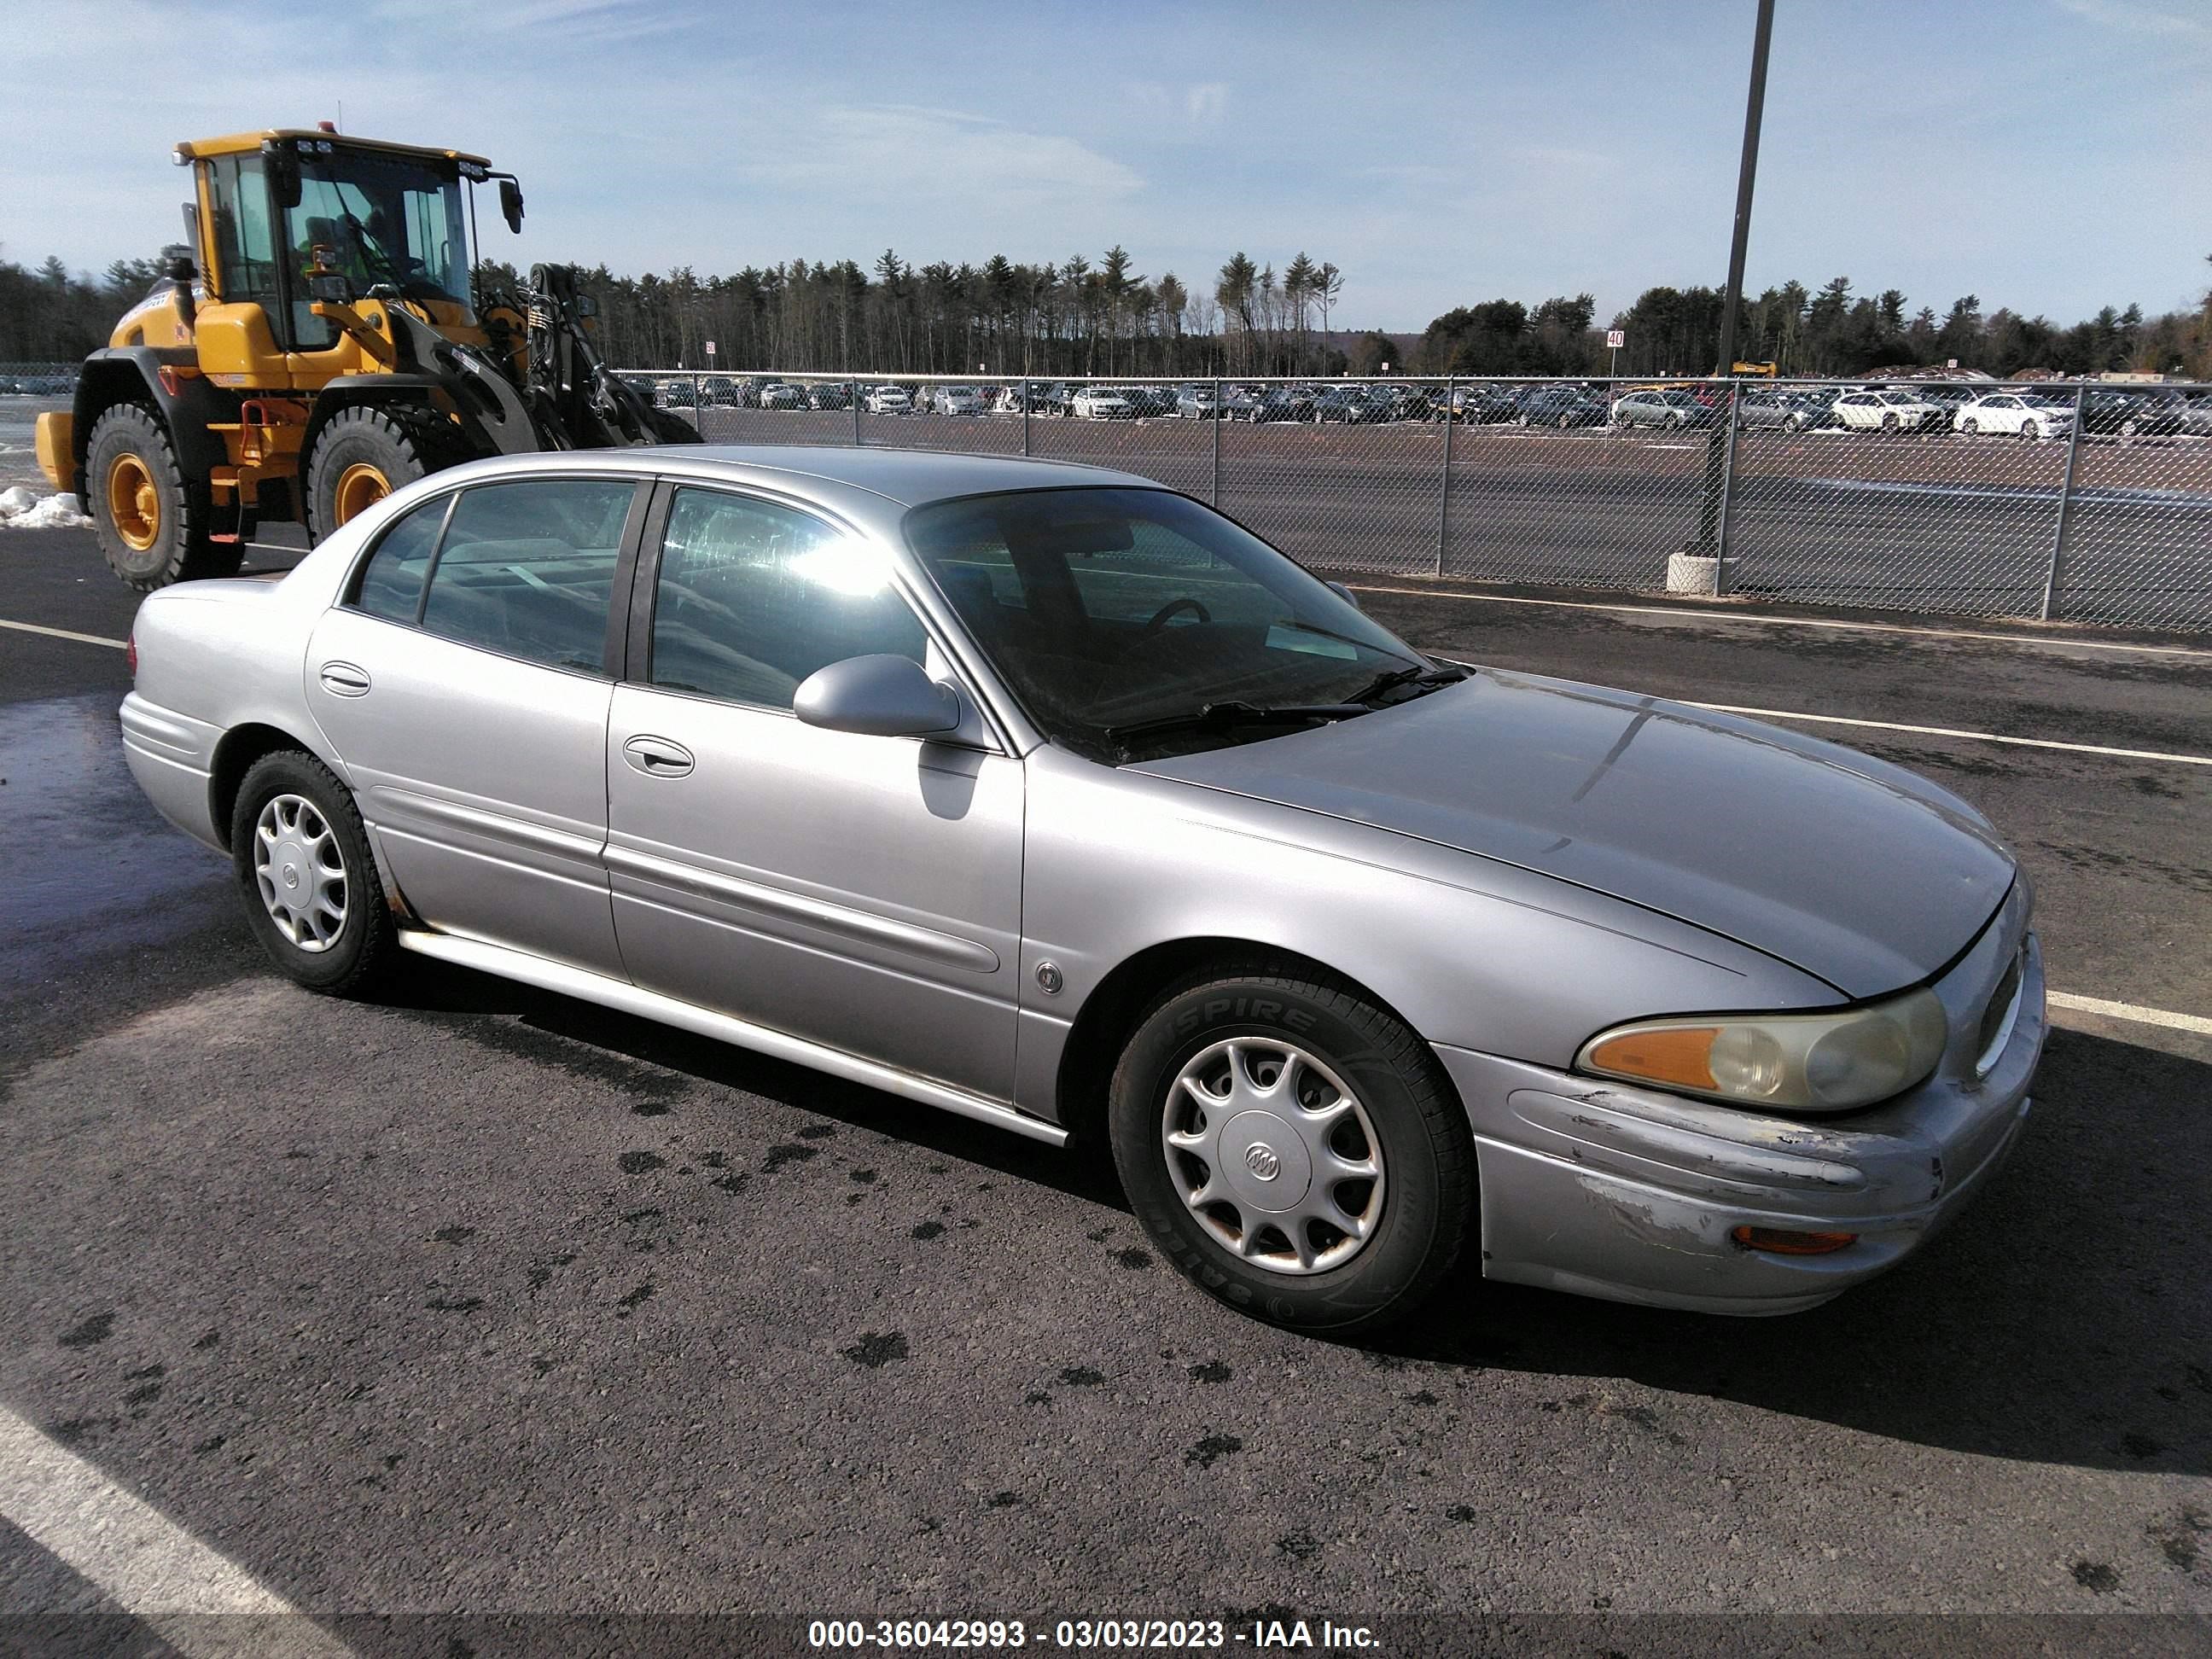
<point x="2130" y="1011"/>
<point x="139" y="1558"/>
<point x="1683" y="612"/>
<point x="1953" y="731"/>
<point x="64" y="634"/>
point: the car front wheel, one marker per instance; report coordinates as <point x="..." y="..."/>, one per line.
<point x="1294" y="1150"/>
<point x="301" y="859"/>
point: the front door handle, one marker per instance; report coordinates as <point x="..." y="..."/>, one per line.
<point x="345" y="679"/>
<point x="657" y="757"/>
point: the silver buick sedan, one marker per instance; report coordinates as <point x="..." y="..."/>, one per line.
<point x="1048" y="796"/>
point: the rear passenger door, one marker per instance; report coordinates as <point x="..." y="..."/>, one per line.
<point x="463" y="680"/>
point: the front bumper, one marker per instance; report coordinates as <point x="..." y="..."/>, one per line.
<point x="1632" y="1195"/>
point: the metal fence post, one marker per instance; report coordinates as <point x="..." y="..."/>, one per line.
<point x="698" y="406"/>
<point x="2055" y="573"/>
<point x="1728" y="494"/>
<point x="1220" y="415"/>
<point x="1025" y="414"/>
<point x="1443" y="489"/>
<point x="855" y="387"/>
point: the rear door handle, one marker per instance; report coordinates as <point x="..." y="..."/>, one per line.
<point x="345" y="679"/>
<point x="657" y="757"/>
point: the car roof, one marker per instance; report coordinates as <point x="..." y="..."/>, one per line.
<point x="863" y="483"/>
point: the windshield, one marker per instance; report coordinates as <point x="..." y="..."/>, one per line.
<point x="383" y="219"/>
<point x="1103" y="608"/>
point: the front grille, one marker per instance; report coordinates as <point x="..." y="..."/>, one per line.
<point x="1997" y="1017"/>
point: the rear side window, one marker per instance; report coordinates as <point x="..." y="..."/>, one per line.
<point x="391" y="581"/>
<point x="527" y="569"/>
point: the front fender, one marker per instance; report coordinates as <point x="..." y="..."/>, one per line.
<point x="1471" y="952"/>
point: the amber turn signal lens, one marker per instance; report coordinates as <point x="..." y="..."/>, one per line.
<point x="1680" y="1054"/>
<point x="1781" y="1241"/>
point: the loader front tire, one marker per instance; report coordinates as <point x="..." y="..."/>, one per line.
<point x="364" y="454"/>
<point x="151" y="520"/>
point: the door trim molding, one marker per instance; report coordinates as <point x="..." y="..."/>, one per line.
<point x="609" y="993"/>
<point x="925" y="942"/>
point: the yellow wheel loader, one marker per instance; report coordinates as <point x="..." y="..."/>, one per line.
<point x="324" y="343"/>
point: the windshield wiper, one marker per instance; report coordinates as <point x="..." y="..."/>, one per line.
<point x="1429" y="676"/>
<point x="1219" y="716"/>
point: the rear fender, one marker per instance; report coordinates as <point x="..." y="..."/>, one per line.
<point x="132" y="374"/>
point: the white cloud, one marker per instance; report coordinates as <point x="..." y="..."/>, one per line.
<point x="2140" y="19"/>
<point x="903" y="153"/>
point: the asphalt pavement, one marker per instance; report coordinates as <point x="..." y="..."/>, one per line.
<point x="475" y="1300"/>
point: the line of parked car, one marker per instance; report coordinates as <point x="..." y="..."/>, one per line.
<point x="1982" y="408"/>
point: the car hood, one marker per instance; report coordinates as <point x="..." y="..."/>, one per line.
<point x="1852" y="869"/>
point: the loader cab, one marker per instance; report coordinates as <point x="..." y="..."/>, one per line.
<point x="289" y="218"/>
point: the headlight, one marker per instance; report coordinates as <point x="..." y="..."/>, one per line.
<point x="1785" y="1062"/>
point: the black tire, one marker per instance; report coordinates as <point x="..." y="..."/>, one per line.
<point x="171" y="512"/>
<point x="394" y="447"/>
<point x="365" y="944"/>
<point x="1429" y="1203"/>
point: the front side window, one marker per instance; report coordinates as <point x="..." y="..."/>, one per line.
<point x="245" y="238"/>
<point x="752" y="596"/>
<point x="1105" y="609"/>
<point x="527" y="569"/>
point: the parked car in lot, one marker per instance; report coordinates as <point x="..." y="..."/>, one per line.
<point x="1196" y="403"/>
<point x="1671" y="410"/>
<point x="829" y="394"/>
<point x="679" y="392"/>
<point x="957" y="399"/>
<point x="1102" y="403"/>
<point x="2017" y="414"/>
<point x="1562" y="406"/>
<point x="1349" y="405"/>
<point x="1789" y="409"/>
<point x="1281" y="403"/>
<point x="1888" y="411"/>
<point x="2132" y="414"/>
<point x="782" y="394"/>
<point x="2197" y="415"/>
<point x="1485" y="405"/>
<point x="1150" y="402"/>
<point x="721" y="389"/>
<point x="1046" y="796"/>
<point x="887" y="400"/>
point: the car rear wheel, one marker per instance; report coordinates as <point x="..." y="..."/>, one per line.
<point x="1294" y="1150"/>
<point x="2030" y="432"/>
<point x="301" y="859"/>
<point x="1970" y="428"/>
<point x="1889" y="427"/>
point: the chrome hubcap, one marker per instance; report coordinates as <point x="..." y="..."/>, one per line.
<point x="1274" y="1155"/>
<point x="300" y="872"/>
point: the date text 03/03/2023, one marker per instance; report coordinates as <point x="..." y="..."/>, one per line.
<point x="921" y="1635"/>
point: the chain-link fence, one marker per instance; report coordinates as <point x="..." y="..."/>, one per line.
<point x="2085" y="502"/>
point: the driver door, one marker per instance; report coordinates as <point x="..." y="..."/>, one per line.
<point x="861" y="892"/>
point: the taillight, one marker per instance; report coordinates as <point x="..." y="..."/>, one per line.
<point x="131" y="653"/>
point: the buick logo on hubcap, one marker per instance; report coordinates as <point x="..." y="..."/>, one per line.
<point x="1262" y="1161"/>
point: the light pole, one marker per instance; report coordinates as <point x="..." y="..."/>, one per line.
<point x="1722" y="433"/>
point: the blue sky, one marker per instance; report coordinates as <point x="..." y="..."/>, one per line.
<point x="2053" y="155"/>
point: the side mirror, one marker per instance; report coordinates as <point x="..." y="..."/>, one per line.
<point x="877" y="697"/>
<point x="1344" y="593"/>
<point x="283" y="170"/>
<point x="510" y="204"/>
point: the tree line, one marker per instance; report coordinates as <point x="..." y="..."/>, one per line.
<point x="1078" y="318"/>
<point x="1828" y="331"/>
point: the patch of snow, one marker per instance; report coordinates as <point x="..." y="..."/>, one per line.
<point x="21" y="509"/>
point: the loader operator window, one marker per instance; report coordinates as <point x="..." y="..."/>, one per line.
<point x="381" y="219"/>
